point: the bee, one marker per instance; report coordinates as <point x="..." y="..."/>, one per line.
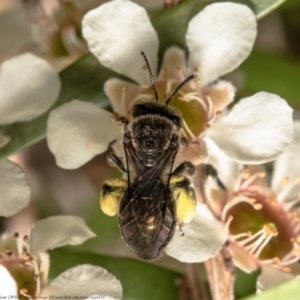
<point x="153" y="198"/>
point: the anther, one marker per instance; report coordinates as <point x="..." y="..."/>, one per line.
<point x="207" y="125"/>
<point x="25" y="238"/>
<point x="285" y="180"/>
<point x="36" y="276"/>
<point x="16" y="234"/>
<point x="297" y="179"/>
<point x="196" y="69"/>
<point x="228" y="222"/>
<point x="246" y="174"/>
<point x="257" y="206"/>
<point x="124" y="89"/>
<point x="287" y="270"/>
<point x="262" y="174"/>
<point x="8" y="252"/>
<point x="218" y="113"/>
<point x="144" y="67"/>
<point x="276" y="260"/>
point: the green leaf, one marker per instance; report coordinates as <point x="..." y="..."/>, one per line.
<point x="84" y="79"/>
<point x="245" y="283"/>
<point x="272" y="73"/>
<point x="289" y="291"/>
<point x="140" y="280"/>
<point x="264" y="7"/>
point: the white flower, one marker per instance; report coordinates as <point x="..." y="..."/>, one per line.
<point x="203" y="238"/>
<point x="261" y="220"/>
<point x="14" y="189"/>
<point x="29" y="86"/>
<point x="219" y="38"/>
<point x="28" y="264"/>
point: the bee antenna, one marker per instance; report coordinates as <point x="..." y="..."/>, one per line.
<point x="180" y="86"/>
<point x="151" y="75"/>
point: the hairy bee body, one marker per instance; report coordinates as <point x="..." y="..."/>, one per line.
<point x="154" y="198"/>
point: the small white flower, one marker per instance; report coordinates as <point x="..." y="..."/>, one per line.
<point x="14" y="188"/>
<point x="219" y="38"/>
<point x="29" y="86"/>
<point x="261" y="220"/>
<point x="28" y="264"/>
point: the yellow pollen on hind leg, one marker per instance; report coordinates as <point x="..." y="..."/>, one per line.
<point x="111" y="194"/>
<point x="185" y="198"/>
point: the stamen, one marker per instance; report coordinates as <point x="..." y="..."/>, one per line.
<point x="285" y="180"/>
<point x="24" y="292"/>
<point x="210" y="106"/>
<point x="123" y="96"/>
<point x="196" y="69"/>
<point x="257" y="206"/>
<point x="218" y="113"/>
<point x="269" y="230"/>
<point x="288" y="205"/>
<point x="194" y="96"/>
<point x="251" y="238"/>
<point x="227" y="224"/>
<point x="8" y="252"/>
<point x="250" y="179"/>
<point x="188" y="131"/>
<point x="241" y="235"/>
<point x="169" y="89"/>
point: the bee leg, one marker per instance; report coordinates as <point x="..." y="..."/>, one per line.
<point x="211" y="171"/>
<point x="115" y="161"/>
<point x="185" y="168"/>
<point x="119" y="120"/>
<point x="185" y="199"/>
<point x="184" y="141"/>
<point x="111" y="194"/>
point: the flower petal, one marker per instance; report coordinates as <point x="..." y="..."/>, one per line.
<point x="243" y="259"/>
<point x="84" y="281"/>
<point x="78" y="131"/>
<point x="8" y="286"/>
<point x="57" y="231"/>
<point x="287" y="166"/>
<point x="256" y="130"/>
<point x="219" y="39"/>
<point x="28" y="87"/>
<point x="116" y="33"/>
<point x="4" y="140"/>
<point x="174" y="64"/>
<point x="271" y="277"/>
<point x="122" y="95"/>
<point x="203" y="238"/>
<point x="228" y="170"/>
<point x="14" y="188"/>
<point x="221" y="95"/>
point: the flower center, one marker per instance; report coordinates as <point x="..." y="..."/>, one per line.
<point x="260" y="225"/>
<point x="23" y="268"/>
